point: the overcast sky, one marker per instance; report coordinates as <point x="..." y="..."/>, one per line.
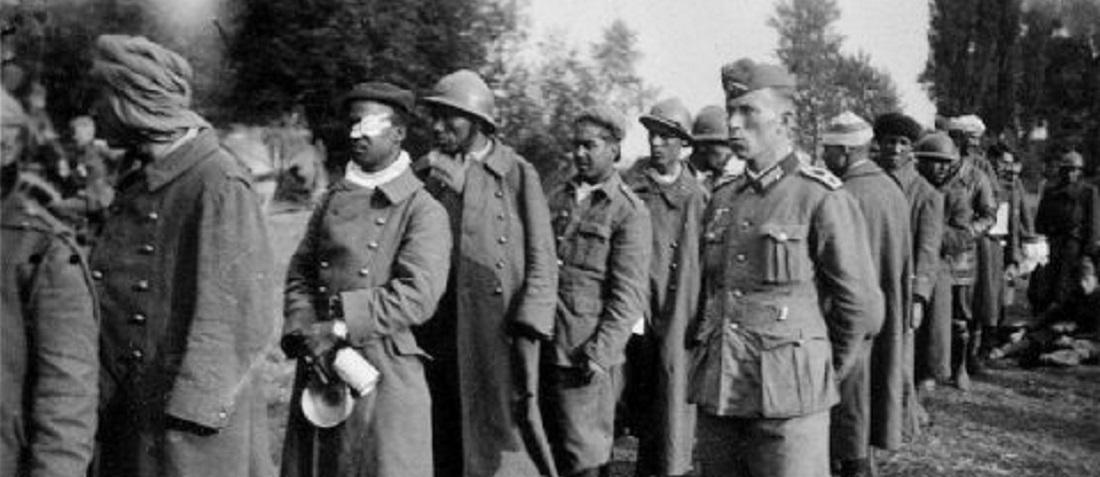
<point x="685" y="42"/>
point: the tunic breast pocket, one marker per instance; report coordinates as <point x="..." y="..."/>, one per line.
<point x="786" y="254"/>
<point x="592" y="244"/>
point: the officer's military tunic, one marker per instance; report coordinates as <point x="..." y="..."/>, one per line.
<point x="183" y="272"/>
<point x="789" y="296"/>
<point x="604" y="245"/>
<point x="385" y="253"/>
<point x="667" y="421"/>
<point x="50" y="333"/>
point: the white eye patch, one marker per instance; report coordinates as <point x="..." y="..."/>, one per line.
<point x="372" y="125"/>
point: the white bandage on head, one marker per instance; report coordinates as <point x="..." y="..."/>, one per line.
<point x="372" y="125"/>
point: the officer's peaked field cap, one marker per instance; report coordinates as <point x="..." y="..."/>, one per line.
<point x="669" y="114"/>
<point x="711" y="125"/>
<point x="847" y="129"/>
<point x="386" y="93"/>
<point x="606" y="117"/>
<point x="745" y="75"/>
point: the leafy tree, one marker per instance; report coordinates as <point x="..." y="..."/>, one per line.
<point x="973" y="63"/>
<point x="288" y="52"/>
<point x="828" y="80"/>
<point x="542" y="97"/>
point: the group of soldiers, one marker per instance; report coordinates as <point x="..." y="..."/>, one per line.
<point x="750" y="313"/>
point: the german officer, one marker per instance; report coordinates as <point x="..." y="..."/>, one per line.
<point x="50" y="331"/>
<point x="784" y="247"/>
<point x="871" y="405"/>
<point x="604" y="243"/>
<point x="675" y="201"/>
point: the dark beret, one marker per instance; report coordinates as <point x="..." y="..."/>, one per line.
<point x="606" y="117"/>
<point x="744" y="76"/>
<point x="387" y="93"/>
<point x="897" y="124"/>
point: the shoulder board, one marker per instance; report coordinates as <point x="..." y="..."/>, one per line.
<point x="822" y="176"/>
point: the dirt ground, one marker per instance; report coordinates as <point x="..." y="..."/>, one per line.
<point x="1015" y="422"/>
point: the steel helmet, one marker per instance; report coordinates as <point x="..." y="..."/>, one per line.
<point x="1071" y="159"/>
<point x="465" y="91"/>
<point x="669" y="114"/>
<point x="711" y="125"/>
<point x="936" y="147"/>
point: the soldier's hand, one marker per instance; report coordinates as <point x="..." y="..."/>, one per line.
<point x="321" y="337"/>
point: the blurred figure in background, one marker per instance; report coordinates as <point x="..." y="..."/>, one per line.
<point x="49" y="361"/>
<point x="1069" y="216"/>
<point x="712" y="157"/>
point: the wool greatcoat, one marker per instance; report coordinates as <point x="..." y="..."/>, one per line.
<point x="183" y="272"/>
<point x="503" y="284"/>
<point x="385" y="252"/>
<point x="873" y="413"/>
<point x="932" y="340"/>
<point x="676" y="212"/>
<point x="50" y="340"/>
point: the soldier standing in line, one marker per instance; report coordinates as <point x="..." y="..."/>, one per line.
<point x="341" y="293"/>
<point x="968" y="214"/>
<point x="712" y="158"/>
<point x="1017" y="226"/>
<point x="675" y="200"/>
<point x="499" y="305"/>
<point x="967" y="132"/>
<point x="871" y="397"/>
<point x="604" y="243"/>
<point x="183" y="273"/>
<point x="928" y="341"/>
<point x="50" y="329"/>
<point x="1069" y="215"/>
<point x="789" y="294"/>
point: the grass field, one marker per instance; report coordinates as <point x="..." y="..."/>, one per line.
<point x="1015" y="422"/>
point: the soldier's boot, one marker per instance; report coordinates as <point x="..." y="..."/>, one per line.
<point x="959" y="347"/>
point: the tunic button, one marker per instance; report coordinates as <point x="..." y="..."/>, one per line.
<point x="364" y="272"/>
<point x="141" y="285"/>
<point x="502" y="239"/>
<point x="498" y="291"/>
<point x="380" y="221"/>
<point x="138" y="318"/>
<point x="675" y="244"/>
<point x="136" y="354"/>
<point x="97" y="275"/>
<point x="560" y="238"/>
<point x="738" y="293"/>
<point x="372" y="245"/>
<point x="500" y="216"/>
<point x="746" y="224"/>
<point x="733" y="326"/>
<point x="499" y="194"/>
<point x="561" y="262"/>
<point x="322" y="289"/>
<point x="222" y="415"/>
<point x="323" y="264"/>
<point x="147" y="249"/>
<point x="500" y="264"/>
<point x="740" y="257"/>
<point x="152" y="216"/>
<point x="672" y="265"/>
<point x="711" y="236"/>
